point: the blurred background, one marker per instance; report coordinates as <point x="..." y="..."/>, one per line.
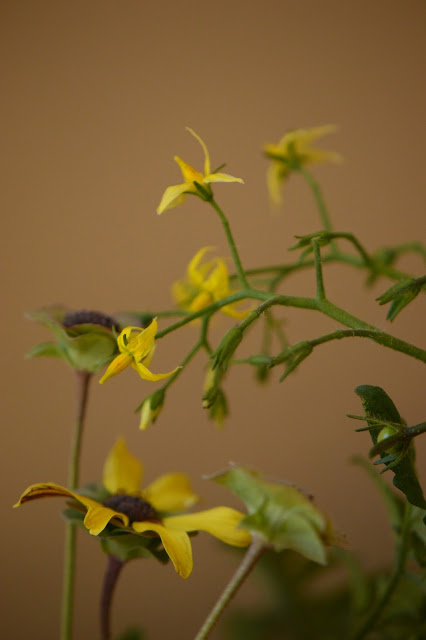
<point x="96" y="97"/>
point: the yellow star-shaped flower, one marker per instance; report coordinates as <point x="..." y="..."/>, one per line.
<point x="205" y="282"/>
<point x="136" y="347"/>
<point x="293" y="151"/>
<point x="144" y="511"/>
<point x="175" y="195"/>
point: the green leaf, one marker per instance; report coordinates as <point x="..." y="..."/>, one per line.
<point x="401" y="294"/>
<point x="128" y="546"/>
<point x="45" y="349"/>
<point x="378" y="406"/>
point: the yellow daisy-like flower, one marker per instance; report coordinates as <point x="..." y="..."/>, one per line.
<point x="136" y="347"/>
<point x="175" y="195"/>
<point x="294" y="150"/>
<point x="142" y="511"/>
<point x="205" y="282"/>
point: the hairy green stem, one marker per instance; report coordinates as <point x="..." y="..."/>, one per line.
<point x="83" y="379"/>
<point x="232" y="245"/>
<point x="318" y="270"/>
<point x="402" y="549"/>
<point x="254" y="552"/>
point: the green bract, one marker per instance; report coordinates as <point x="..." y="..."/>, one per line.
<point x="84" y="339"/>
<point x="279" y="514"/>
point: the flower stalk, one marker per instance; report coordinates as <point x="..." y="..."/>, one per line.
<point x="82" y="379"/>
<point x="112" y="573"/>
<point x="251" y="557"/>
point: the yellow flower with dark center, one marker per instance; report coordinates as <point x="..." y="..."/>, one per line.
<point x="175" y="195"/>
<point x="144" y="511"/>
<point x="293" y="151"/>
<point x="136" y="347"/>
<point x="205" y="282"/>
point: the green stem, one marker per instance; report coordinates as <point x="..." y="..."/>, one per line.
<point x="401" y="557"/>
<point x="231" y="242"/>
<point x="316" y="191"/>
<point x="318" y="270"/>
<point x="254" y="552"/>
<point x="83" y="379"/>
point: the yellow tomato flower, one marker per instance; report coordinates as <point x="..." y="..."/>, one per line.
<point x="136" y="347"/>
<point x="143" y="511"/>
<point x="205" y="282"/>
<point x="294" y="150"/>
<point x="175" y="195"/>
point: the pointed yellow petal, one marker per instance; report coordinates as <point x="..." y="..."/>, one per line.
<point x="195" y="274"/>
<point x="122" y="472"/>
<point x="221" y="177"/>
<point x="142" y="343"/>
<point x="146" y="374"/>
<point x="275" y="175"/>
<point x="200" y="301"/>
<point x="117" y="365"/>
<point x="206" y="152"/>
<point x="221" y="522"/>
<point x="45" y="490"/>
<point x="176" y="543"/>
<point x="173" y="196"/>
<point x="170" y="492"/>
<point x="190" y="174"/>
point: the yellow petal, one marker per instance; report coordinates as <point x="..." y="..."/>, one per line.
<point x="173" y="196"/>
<point x="117" y="365"/>
<point x="122" y="472"/>
<point x="200" y="301"/>
<point x="176" y="543"/>
<point x="221" y="522"/>
<point x="190" y="174"/>
<point x="221" y="177"/>
<point x="275" y="175"/>
<point x="97" y="516"/>
<point x="170" y="492"/>
<point x="146" y="374"/>
<point x="206" y="152"/>
<point x="195" y="274"/>
<point x="141" y="342"/>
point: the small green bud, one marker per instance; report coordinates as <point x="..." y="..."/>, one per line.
<point x="386" y="432"/>
<point x="227" y="346"/>
<point x="151" y="408"/>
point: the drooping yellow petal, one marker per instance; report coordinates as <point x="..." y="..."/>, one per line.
<point x="172" y="197"/>
<point x="141" y="341"/>
<point x="146" y="374"/>
<point x="117" y="366"/>
<point x="221" y="522"/>
<point x="97" y="516"/>
<point x="122" y="472"/>
<point x="196" y="272"/>
<point x="176" y="544"/>
<point x="170" y="492"/>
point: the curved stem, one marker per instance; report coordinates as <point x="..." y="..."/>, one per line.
<point x="231" y="242"/>
<point x="111" y="576"/>
<point x="254" y="552"/>
<point x="402" y="552"/>
<point x="83" y="379"/>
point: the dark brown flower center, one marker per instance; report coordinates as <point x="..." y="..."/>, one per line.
<point x="136" y="509"/>
<point x="73" y="318"/>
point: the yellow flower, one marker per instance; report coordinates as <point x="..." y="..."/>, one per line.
<point x="136" y="347"/>
<point x="293" y="151"/>
<point x="175" y="195"/>
<point x="205" y="283"/>
<point x="142" y="511"/>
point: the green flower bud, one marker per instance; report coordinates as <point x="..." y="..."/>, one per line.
<point x="151" y="408"/>
<point x="227" y="346"/>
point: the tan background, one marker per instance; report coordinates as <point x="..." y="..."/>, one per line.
<point x="96" y="96"/>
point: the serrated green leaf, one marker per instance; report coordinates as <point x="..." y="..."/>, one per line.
<point x="378" y="405"/>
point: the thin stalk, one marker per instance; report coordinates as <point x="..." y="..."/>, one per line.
<point x="253" y="554"/>
<point x="402" y="552"/>
<point x="111" y="576"/>
<point x="316" y="191"/>
<point x="318" y="270"/>
<point x="83" y="379"/>
<point x="232" y="245"/>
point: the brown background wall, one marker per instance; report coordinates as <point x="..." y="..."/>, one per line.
<point x="96" y="98"/>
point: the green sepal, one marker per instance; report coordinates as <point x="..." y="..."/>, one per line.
<point x="45" y="349"/>
<point x="378" y="406"/>
<point x="323" y="238"/>
<point x="401" y="294"/>
<point x="226" y="348"/>
<point x="128" y="546"/>
<point x="279" y="514"/>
